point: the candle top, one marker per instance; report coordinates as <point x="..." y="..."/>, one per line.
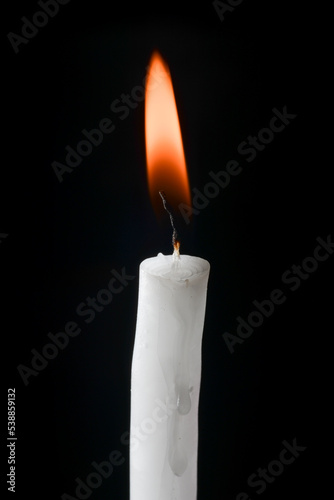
<point x="185" y="267"/>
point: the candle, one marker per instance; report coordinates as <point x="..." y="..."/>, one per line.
<point x="166" y="364"/>
<point x="166" y="372"/>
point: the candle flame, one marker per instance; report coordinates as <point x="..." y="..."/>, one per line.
<point x="166" y="165"/>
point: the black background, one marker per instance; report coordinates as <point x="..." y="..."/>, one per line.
<point x="65" y="238"/>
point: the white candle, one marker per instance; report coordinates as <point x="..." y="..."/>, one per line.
<point x="166" y="374"/>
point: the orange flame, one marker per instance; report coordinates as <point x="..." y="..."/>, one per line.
<point x="166" y="165"/>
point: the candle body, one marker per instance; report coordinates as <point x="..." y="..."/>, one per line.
<point x="165" y="379"/>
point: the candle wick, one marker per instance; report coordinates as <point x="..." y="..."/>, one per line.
<point x="176" y="253"/>
<point x="175" y="240"/>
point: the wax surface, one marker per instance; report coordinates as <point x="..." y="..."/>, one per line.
<point x="166" y="371"/>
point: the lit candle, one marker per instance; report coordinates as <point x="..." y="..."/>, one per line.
<point x="166" y="364"/>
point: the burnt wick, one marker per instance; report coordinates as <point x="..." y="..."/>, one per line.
<point x="175" y="240"/>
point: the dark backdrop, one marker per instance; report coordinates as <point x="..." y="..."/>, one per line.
<point x="61" y="240"/>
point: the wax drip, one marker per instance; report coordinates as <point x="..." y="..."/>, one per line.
<point x="174" y="361"/>
<point x="183" y="401"/>
<point x="177" y="457"/>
